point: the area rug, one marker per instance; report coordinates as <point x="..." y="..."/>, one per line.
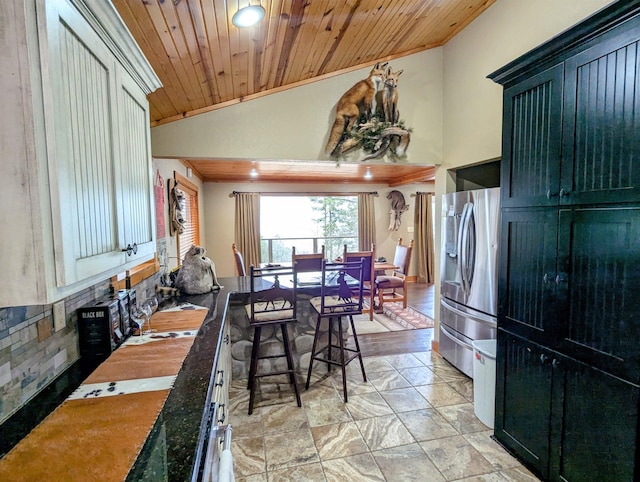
<point x="394" y="318"/>
<point x="408" y="318"/>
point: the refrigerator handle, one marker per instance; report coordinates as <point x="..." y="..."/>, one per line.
<point x="454" y="339"/>
<point x="485" y="320"/>
<point x="463" y="240"/>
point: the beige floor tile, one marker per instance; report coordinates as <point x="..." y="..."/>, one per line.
<point x="384" y="432"/>
<point x="355" y="384"/>
<point x="440" y="394"/>
<point x="426" y="357"/>
<point x="289" y="449"/>
<point x="403" y="361"/>
<point x="456" y="458"/>
<point x="411" y="432"/>
<point x="283" y="418"/>
<point x="519" y="474"/>
<point x="367" y="405"/>
<point x="253" y="478"/>
<point x="462" y="418"/>
<point x="464" y="387"/>
<point x="338" y="441"/>
<point x="390" y="380"/>
<point x="373" y="364"/>
<point x="308" y="472"/>
<point x="247" y="429"/>
<point x="405" y="400"/>
<point x="491" y="450"/>
<point x="327" y="412"/>
<point x="490" y="477"/>
<point x="427" y="424"/>
<point x="407" y="463"/>
<point x="318" y="390"/>
<point x="355" y="468"/>
<point x="448" y="372"/>
<point x="419" y="375"/>
<point x="248" y="456"/>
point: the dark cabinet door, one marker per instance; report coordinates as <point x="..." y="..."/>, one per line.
<point x="524" y="383"/>
<point x="599" y="425"/>
<point x="601" y="147"/>
<point x="532" y="140"/>
<point x="598" y="299"/>
<point x="527" y="273"/>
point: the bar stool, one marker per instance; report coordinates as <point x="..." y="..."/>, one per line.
<point x="271" y="304"/>
<point x="340" y="297"/>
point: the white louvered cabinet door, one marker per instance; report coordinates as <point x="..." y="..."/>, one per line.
<point x="102" y="216"/>
<point x="135" y="191"/>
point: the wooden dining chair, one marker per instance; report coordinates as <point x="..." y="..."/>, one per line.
<point x="271" y="303"/>
<point x="237" y="256"/>
<point x="307" y="262"/>
<point x="340" y="298"/>
<point x="388" y="287"/>
<point x="368" y="275"/>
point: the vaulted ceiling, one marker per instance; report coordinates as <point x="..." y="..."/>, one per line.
<point x="205" y="62"/>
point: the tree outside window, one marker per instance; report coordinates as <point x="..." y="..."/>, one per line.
<point x="307" y="222"/>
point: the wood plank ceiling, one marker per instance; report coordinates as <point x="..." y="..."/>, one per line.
<point x="309" y="172"/>
<point x="206" y="63"/>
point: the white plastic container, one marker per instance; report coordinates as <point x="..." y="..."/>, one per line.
<point x="484" y="380"/>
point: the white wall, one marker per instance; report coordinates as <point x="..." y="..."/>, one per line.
<point x="473" y="103"/>
<point x="167" y="167"/>
<point x="219" y="215"/>
<point x="294" y="124"/>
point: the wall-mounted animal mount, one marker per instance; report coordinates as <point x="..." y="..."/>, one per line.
<point x="398" y="206"/>
<point x="367" y="116"/>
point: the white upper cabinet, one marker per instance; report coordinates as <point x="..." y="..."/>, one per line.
<point x="84" y="186"/>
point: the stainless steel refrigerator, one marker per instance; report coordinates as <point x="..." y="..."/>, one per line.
<point x="469" y="273"/>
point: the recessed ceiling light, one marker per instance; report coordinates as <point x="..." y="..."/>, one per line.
<point x="253" y="172"/>
<point x="248" y="16"/>
<point x="368" y="175"/>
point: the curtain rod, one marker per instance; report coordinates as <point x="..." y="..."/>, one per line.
<point x="235" y="193"/>
<point x="416" y="193"/>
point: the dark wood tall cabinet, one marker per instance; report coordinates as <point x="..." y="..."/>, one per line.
<point x="568" y="360"/>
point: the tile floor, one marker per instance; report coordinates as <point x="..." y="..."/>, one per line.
<point x="412" y="420"/>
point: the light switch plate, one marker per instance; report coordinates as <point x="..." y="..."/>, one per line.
<point x="59" y="316"/>
<point x="409" y="229"/>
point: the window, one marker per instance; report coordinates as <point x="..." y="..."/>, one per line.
<point x="307" y="222"/>
<point x="191" y="234"/>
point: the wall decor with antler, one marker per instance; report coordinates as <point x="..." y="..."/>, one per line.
<point x="367" y="117"/>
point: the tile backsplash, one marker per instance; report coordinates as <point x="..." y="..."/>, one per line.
<point x="33" y="354"/>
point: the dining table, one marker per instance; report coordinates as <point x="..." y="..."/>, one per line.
<point x="382" y="266"/>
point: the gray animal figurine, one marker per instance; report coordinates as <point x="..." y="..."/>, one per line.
<point x="197" y="275"/>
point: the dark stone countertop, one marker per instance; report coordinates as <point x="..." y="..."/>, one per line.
<point x="179" y="426"/>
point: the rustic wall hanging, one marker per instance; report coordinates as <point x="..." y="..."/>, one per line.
<point x="367" y="117"/>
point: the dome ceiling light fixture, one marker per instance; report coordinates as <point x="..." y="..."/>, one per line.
<point x="248" y="16"/>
